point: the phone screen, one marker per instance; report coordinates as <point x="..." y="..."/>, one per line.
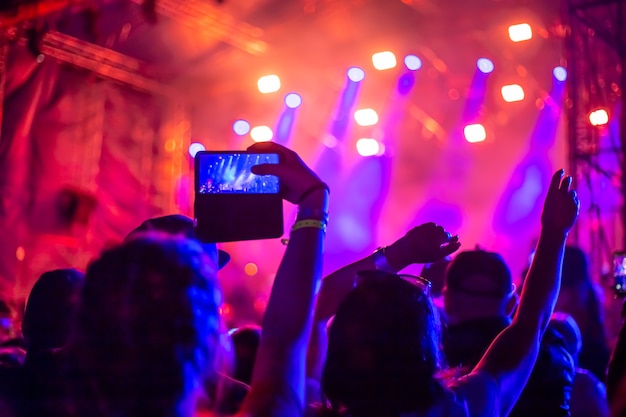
<point x="230" y="173"/>
<point x="619" y="273"/>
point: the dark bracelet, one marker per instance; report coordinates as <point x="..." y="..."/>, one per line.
<point x="313" y="214"/>
<point x="312" y="189"/>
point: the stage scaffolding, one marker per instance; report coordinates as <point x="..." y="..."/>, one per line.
<point x="596" y="50"/>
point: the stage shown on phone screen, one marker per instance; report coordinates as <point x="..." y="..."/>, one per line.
<point x="230" y="173"/>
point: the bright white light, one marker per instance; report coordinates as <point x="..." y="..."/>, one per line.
<point x="293" y="100"/>
<point x="356" y="74"/>
<point x="512" y="92"/>
<point x="261" y="134"/>
<point x="194" y="148"/>
<point x="367" y="147"/>
<point x="366" y="117"/>
<point x="412" y="62"/>
<point x="241" y="127"/>
<point x="475" y="133"/>
<point x="521" y="32"/>
<point x="599" y="117"/>
<point x="560" y="73"/>
<point x="268" y="84"/>
<point x="384" y="60"/>
<point x="485" y="65"/>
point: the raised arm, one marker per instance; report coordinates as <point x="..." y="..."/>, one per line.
<point x="277" y="386"/>
<point x="511" y="356"/>
<point x="422" y="244"/>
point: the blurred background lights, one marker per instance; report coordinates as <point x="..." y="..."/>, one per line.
<point x="485" y="65"/>
<point x="241" y="127"/>
<point x="261" y="134"/>
<point x="599" y="117"/>
<point x="512" y="93"/>
<point x="268" y="84"/>
<point x="366" y="117"/>
<point x="560" y="73"/>
<point x="293" y="100"/>
<point x="412" y="62"/>
<point x="251" y="269"/>
<point x="384" y="60"/>
<point x="356" y="74"/>
<point x="367" y="147"/>
<point x="330" y="141"/>
<point x="520" y="32"/>
<point x="194" y="148"/>
<point x="475" y="133"/>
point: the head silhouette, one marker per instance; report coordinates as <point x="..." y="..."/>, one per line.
<point x="148" y="325"/>
<point x="383" y="348"/>
<point x="51" y="309"/>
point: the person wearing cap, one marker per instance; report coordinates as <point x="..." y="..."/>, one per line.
<point x="177" y="224"/>
<point x="479" y="298"/>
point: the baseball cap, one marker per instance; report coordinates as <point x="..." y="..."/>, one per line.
<point x="479" y="273"/>
<point x="178" y="224"/>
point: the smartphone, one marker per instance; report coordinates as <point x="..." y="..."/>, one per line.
<point x="230" y="173"/>
<point x="233" y="204"/>
<point x="619" y="273"/>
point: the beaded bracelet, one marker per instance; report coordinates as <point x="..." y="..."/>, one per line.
<point x="318" y="224"/>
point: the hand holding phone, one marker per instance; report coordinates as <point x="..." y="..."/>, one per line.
<point x="231" y="173"/>
<point x="295" y="176"/>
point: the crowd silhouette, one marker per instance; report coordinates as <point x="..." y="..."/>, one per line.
<point x="140" y="332"/>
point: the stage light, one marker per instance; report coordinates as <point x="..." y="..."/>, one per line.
<point x="367" y="147"/>
<point x="366" y="117"/>
<point x="251" y="269"/>
<point x="560" y="73"/>
<point x="194" y="148"/>
<point x="412" y="62"/>
<point x="261" y="134"/>
<point x="485" y="65"/>
<point x="268" y="84"/>
<point x="475" y="133"/>
<point x="356" y="74"/>
<point x="241" y="127"/>
<point x="384" y="60"/>
<point x="293" y="100"/>
<point x="599" y="117"/>
<point x="521" y="32"/>
<point x="512" y="92"/>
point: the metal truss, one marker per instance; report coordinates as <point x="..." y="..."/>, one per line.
<point x="596" y="49"/>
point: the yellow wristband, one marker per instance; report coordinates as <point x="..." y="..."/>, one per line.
<point x="318" y="224"/>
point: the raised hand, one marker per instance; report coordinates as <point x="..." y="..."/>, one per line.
<point x="296" y="178"/>
<point x="423" y="244"/>
<point x="561" y="207"/>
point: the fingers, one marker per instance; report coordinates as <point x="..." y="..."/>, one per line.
<point x="450" y="247"/>
<point x="565" y="184"/>
<point x="556" y="179"/>
<point x="267" y="147"/>
<point x="269" y="169"/>
<point x="574" y="197"/>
